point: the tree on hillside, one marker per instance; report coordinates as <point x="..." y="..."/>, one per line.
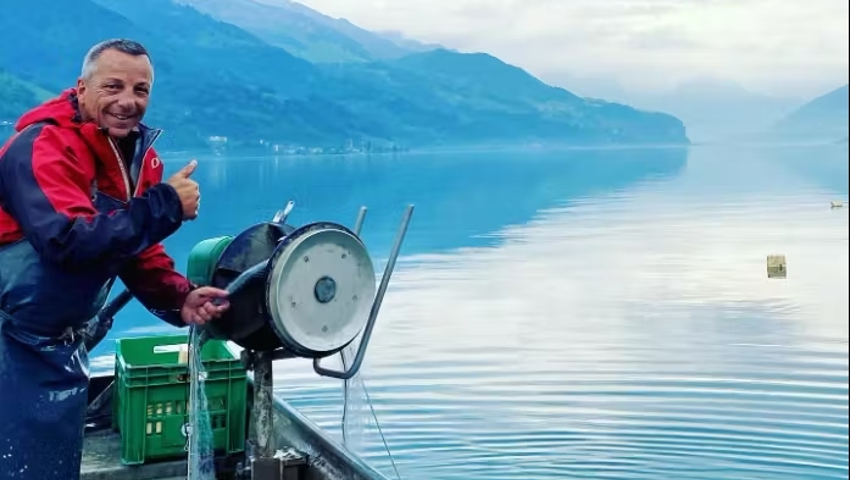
<point x="15" y="97"/>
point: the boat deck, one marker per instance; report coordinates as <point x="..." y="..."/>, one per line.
<point x="102" y="446"/>
<point x="101" y="454"/>
<point x="310" y="453"/>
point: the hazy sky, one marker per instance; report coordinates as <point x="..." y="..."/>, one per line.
<point x="780" y="46"/>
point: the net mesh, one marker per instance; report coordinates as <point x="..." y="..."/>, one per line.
<point x="355" y="415"/>
<point x="201" y="455"/>
<point x="356" y="410"/>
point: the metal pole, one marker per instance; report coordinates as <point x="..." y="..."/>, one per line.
<point x="263" y="405"/>
<point x="361" y="216"/>
<point x="281" y="216"/>
<point x="100" y="325"/>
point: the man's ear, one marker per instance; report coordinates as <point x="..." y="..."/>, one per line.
<point x="81" y="86"/>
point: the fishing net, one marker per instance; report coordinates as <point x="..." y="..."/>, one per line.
<point x="199" y="429"/>
<point x="356" y="409"/>
<point x="355" y="416"/>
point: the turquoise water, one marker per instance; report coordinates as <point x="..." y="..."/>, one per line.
<point x="579" y="314"/>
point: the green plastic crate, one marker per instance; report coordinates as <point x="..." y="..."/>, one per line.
<point x="151" y="396"/>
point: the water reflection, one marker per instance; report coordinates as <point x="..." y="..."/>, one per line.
<point x="460" y="199"/>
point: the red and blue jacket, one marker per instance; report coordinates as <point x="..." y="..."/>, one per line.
<point x="78" y="209"/>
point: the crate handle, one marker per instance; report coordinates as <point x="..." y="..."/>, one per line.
<point x="170" y="348"/>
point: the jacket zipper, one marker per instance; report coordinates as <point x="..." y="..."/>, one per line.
<point x="123" y="169"/>
<point x="124" y="174"/>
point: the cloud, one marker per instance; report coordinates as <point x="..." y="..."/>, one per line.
<point x="764" y="44"/>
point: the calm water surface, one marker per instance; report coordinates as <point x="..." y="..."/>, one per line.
<point x="578" y="314"/>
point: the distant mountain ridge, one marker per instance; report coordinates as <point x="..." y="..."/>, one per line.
<point x="216" y="79"/>
<point x="307" y="33"/>
<point x="716" y="110"/>
<point x="824" y="118"/>
<point x="400" y="39"/>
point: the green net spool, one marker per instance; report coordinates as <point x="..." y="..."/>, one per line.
<point x="203" y="258"/>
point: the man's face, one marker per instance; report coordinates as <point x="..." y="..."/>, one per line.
<point x="115" y="96"/>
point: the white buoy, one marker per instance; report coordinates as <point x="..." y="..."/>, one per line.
<point x="776" y="266"/>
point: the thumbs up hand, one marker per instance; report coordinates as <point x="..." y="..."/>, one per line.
<point x="187" y="189"/>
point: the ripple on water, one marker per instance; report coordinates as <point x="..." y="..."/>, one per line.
<point x="777" y="417"/>
<point x="617" y="338"/>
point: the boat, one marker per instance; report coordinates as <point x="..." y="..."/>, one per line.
<point x="305" y="292"/>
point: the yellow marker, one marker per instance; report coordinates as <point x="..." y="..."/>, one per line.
<point x="776" y="266"/>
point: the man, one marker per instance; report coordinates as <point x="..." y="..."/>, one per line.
<point x="82" y="203"/>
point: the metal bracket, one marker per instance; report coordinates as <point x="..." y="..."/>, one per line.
<point x="281" y="216"/>
<point x="358" y="224"/>
<point x="276" y="469"/>
<point x="376" y="305"/>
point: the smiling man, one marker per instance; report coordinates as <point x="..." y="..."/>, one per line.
<point x="82" y="203"/>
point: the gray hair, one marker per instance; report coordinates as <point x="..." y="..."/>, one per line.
<point x="123" y="45"/>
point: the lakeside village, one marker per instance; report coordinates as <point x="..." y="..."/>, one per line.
<point x="220" y="144"/>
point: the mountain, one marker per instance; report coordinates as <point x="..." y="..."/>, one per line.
<point x="372" y="40"/>
<point x="214" y="78"/>
<point x="303" y="31"/>
<point x="488" y="90"/>
<point x="823" y="119"/>
<point x="715" y="109"/>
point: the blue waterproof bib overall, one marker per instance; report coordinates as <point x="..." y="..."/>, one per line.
<point x="42" y="408"/>
<point x="44" y="367"/>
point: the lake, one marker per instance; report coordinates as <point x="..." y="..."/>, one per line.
<point x="576" y="313"/>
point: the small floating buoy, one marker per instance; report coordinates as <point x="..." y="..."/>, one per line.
<point x="836" y="204"/>
<point x="776" y="266"/>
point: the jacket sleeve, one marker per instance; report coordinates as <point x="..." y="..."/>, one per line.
<point x="152" y="279"/>
<point x="43" y="187"/>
